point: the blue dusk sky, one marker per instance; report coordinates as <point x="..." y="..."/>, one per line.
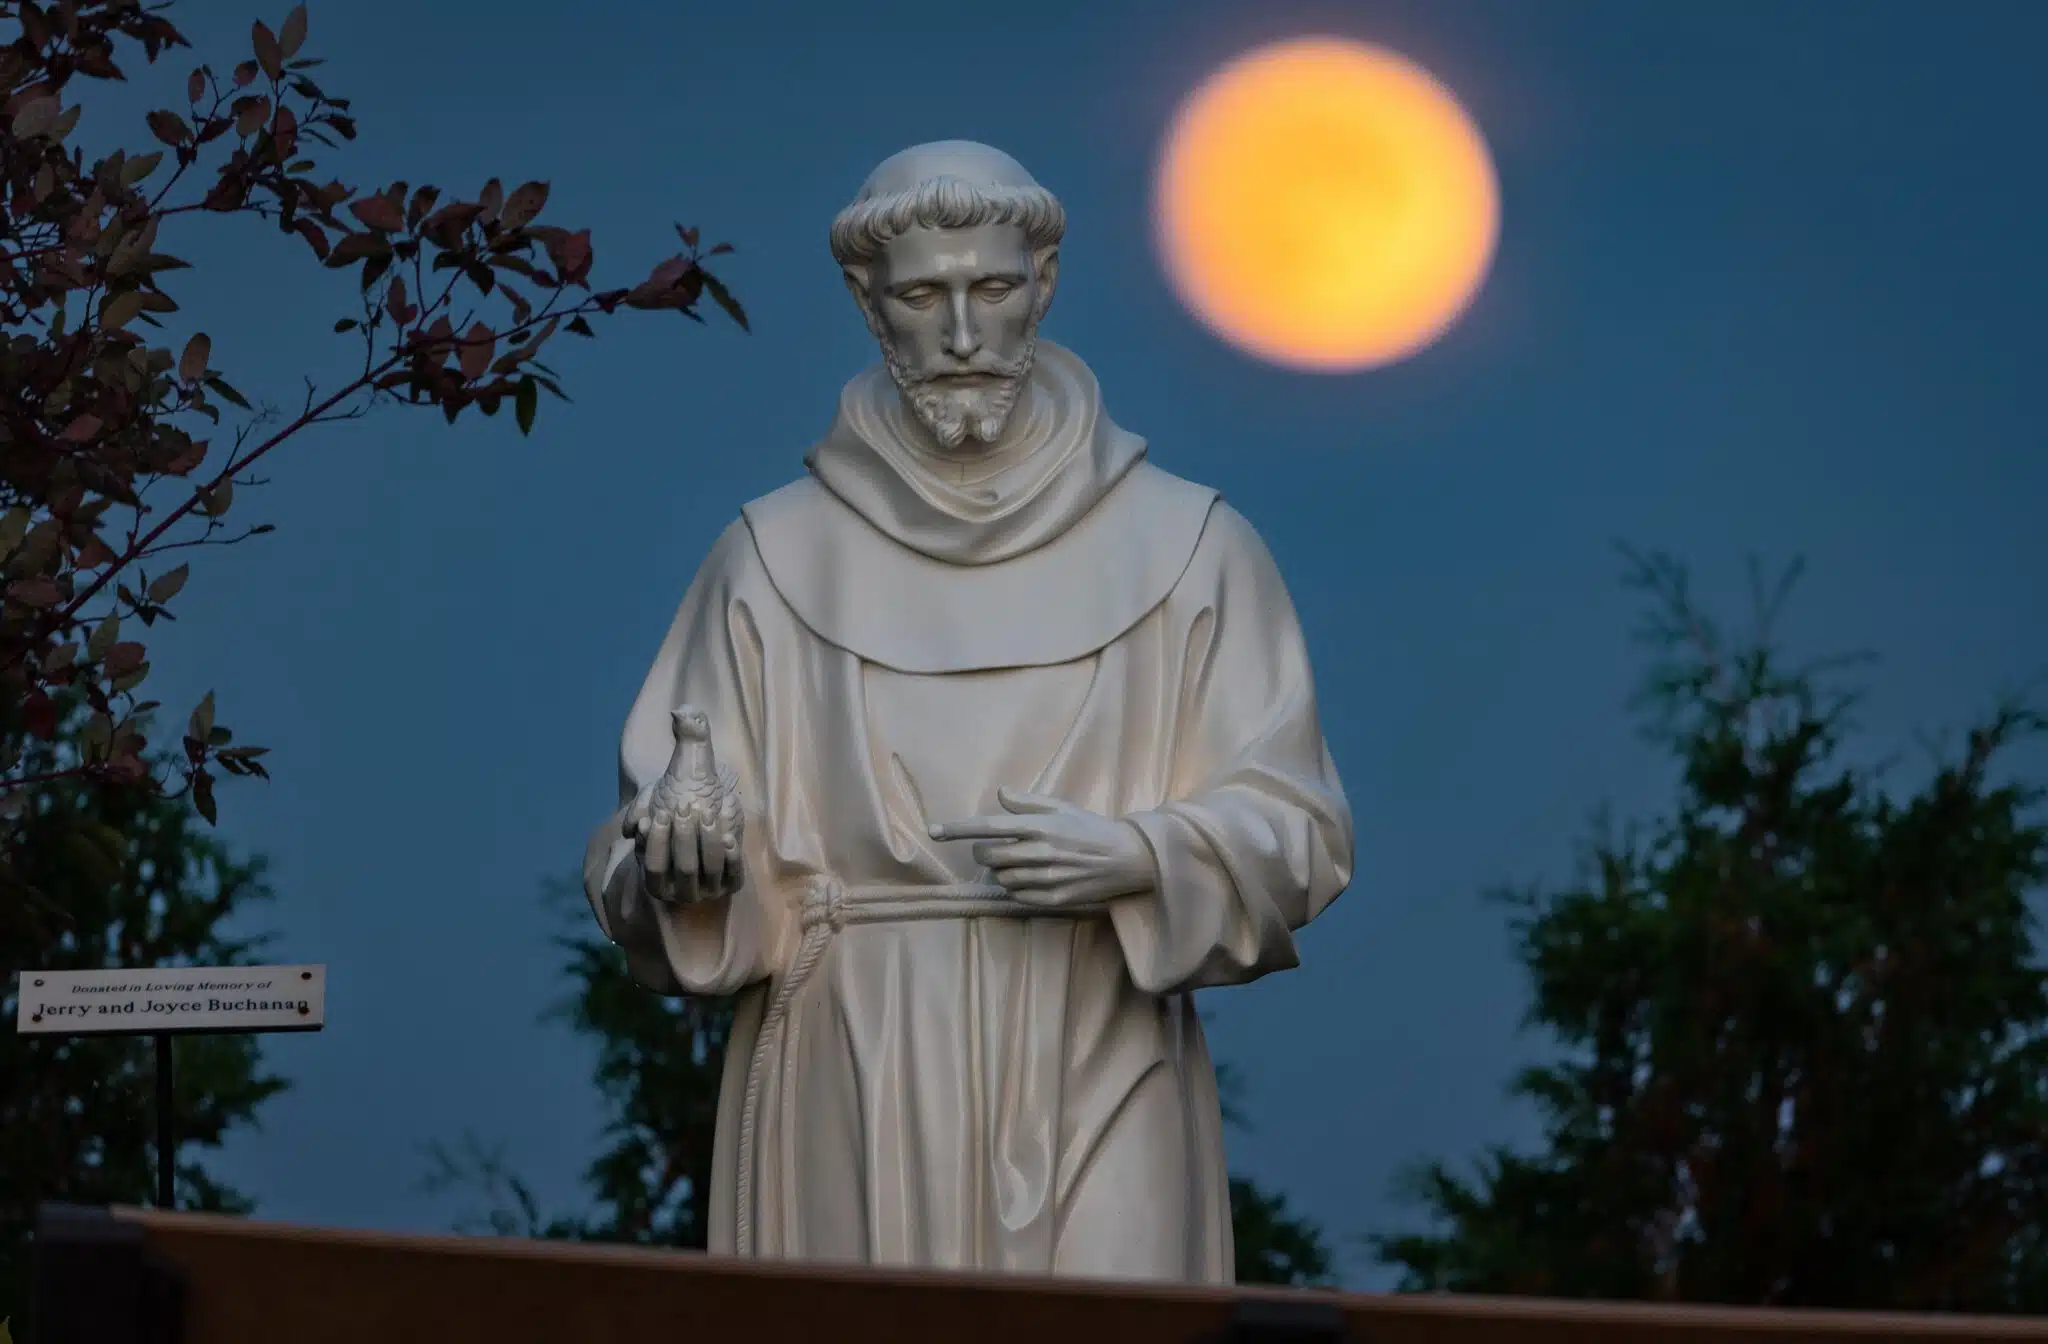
<point x="1770" y="284"/>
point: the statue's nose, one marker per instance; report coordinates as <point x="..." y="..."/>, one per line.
<point x="964" y="339"/>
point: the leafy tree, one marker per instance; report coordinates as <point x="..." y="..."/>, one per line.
<point x="108" y="475"/>
<point x="658" y="1069"/>
<point x="129" y="878"/>
<point x="1805" y="1019"/>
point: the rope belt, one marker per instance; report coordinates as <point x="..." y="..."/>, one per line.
<point x="828" y="907"/>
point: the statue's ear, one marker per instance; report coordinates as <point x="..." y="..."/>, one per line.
<point x="857" y="284"/>
<point x="1045" y="263"/>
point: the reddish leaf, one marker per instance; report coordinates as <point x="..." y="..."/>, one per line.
<point x="268" y="53"/>
<point x="445" y="225"/>
<point x="245" y="74"/>
<point x="570" y="252"/>
<point x="356" y="246"/>
<point x="188" y="457"/>
<point x="36" y="592"/>
<point x="199" y="727"/>
<point x="35" y="25"/>
<point x="81" y="429"/>
<point x="169" y="127"/>
<point x="478" y="344"/>
<point x="721" y="296"/>
<point x="36" y="117"/>
<point x="39" y="715"/>
<point x="220" y="386"/>
<point x="293" y="35"/>
<point x="227" y="194"/>
<point x="525" y="401"/>
<point x="669" y="274"/>
<point x="120" y="310"/>
<point x="165" y="586"/>
<point x="192" y="363"/>
<point x="252" y="113"/>
<point x="523" y="204"/>
<point x="284" y="129"/>
<point x="402" y="312"/>
<point x="314" y="235"/>
<point x="378" y="212"/>
<point x="195" y="86"/>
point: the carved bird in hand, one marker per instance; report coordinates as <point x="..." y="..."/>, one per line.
<point x="695" y="782"/>
<point x="689" y="825"/>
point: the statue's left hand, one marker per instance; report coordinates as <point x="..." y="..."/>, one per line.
<point x="1047" y="852"/>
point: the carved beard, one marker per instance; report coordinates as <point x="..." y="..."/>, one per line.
<point x="955" y="414"/>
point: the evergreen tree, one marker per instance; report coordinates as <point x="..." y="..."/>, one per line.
<point x="1804" y="1017"/>
<point x="124" y="878"/>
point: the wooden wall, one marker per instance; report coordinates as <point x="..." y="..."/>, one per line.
<point x="255" y="1283"/>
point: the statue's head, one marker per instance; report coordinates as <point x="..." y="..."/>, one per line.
<point x="952" y="252"/>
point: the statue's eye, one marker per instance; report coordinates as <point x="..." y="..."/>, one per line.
<point x="920" y="297"/>
<point x="994" y="291"/>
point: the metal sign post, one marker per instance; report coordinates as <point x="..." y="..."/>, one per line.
<point x="166" y="1134"/>
<point x="164" y="1003"/>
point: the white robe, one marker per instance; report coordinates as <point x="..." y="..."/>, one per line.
<point x="978" y="1085"/>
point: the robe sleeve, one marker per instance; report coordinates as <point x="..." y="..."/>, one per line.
<point x="1255" y="838"/>
<point x="711" y="658"/>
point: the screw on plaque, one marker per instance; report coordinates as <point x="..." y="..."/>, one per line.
<point x="37" y="1018"/>
<point x="303" y="975"/>
<point x="39" y="984"/>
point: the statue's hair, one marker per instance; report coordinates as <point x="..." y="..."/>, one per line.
<point x="867" y="226"/>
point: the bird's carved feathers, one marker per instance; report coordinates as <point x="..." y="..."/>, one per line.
<point x="695" y="781"/>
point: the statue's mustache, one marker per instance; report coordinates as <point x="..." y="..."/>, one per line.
<point x="983" y="368"/>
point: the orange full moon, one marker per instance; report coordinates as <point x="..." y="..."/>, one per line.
<point x="1325" y="205"/>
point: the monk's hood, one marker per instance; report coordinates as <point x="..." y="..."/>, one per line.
<point x="1049" y="559"/>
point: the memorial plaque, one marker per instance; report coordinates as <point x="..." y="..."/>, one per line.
<point x="175" y="1001"/>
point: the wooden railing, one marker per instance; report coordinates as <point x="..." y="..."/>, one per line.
<point x="130" y="1276"/>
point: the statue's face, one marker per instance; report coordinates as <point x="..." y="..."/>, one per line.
<point x="956" y="312"/>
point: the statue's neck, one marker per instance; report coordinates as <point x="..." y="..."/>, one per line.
<point x="690" y="757"/>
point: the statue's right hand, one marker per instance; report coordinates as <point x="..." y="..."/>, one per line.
<point x="671" y="841"/>
<point x="651" y="823"/>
